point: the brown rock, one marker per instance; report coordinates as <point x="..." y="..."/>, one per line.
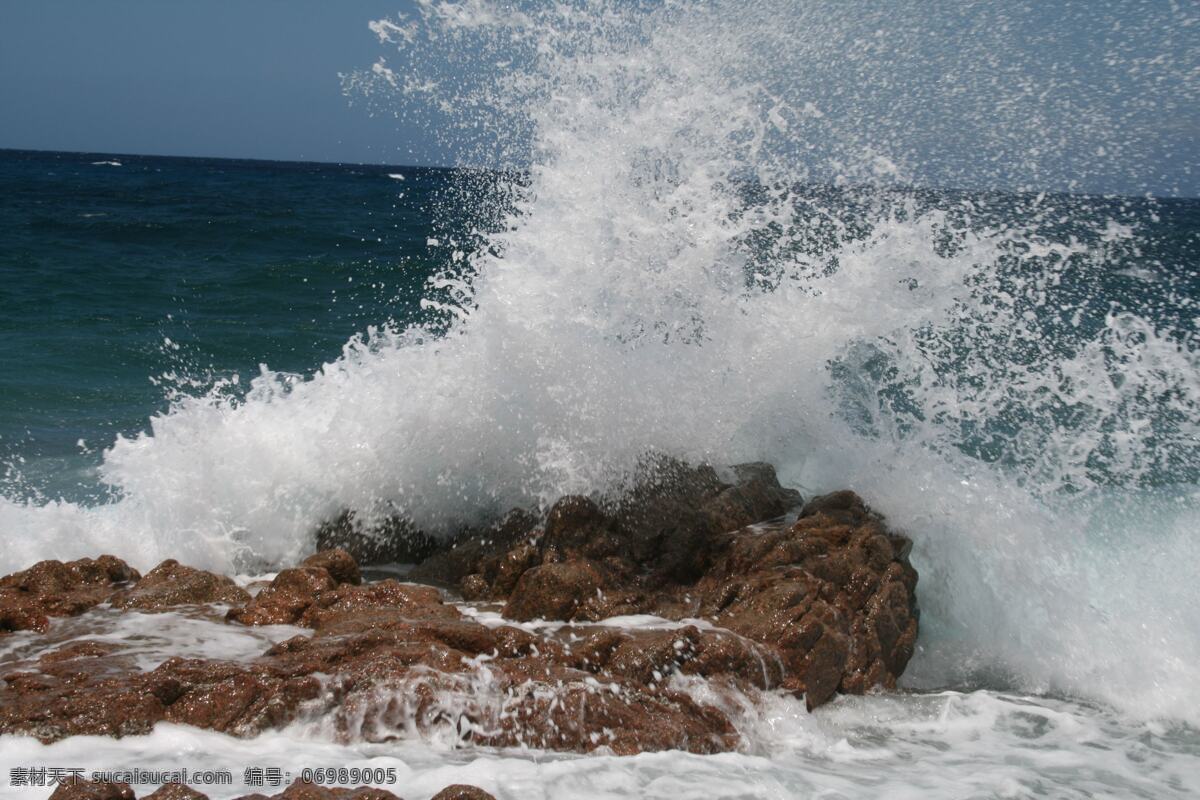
<point x="404" y="599"/>
<point x="553" y="591"/>
<point x="173" y="584"/>
<point x="824" y="605"/>
<point x="461" y="791"/>
<point x="340" y="565"/>
<point x="468" y="551"/>
<point x="300" y="790"/>
<point x="474" y="587"/>
<point x="91" y="790"/>
<point x="814" y="607"/>
<point x="391" y="539"/>
<point x="311" y="791"/>
<point x="288" y="596"/>
<point x="175" y="791"/>
<point x="55" y="589"/>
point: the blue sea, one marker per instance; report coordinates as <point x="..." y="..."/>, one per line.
<point x="717" y="231"/>
<point x="127" y="280"/>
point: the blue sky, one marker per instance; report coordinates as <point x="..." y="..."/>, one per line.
<point x="260" y="79"/>
<point x="236" y="78"/>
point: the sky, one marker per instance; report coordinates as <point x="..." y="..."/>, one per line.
<point x="221" y="78"/>
<point x="968" y="91"/>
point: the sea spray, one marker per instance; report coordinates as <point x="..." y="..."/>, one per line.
<point x="674" y="275"/>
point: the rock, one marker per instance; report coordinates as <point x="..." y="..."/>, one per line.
<point x="553" y="591"/>
<point x="461" y="791"/>
<point x="393" y="539"/>
<point x="826" y="604"/>
<point x="91" y="790"/>
<point x="384" y="670"/>
<point x="670" y="522"/>
<point x="833" y="594"/>
<point x="470" y="550"/>
<point x="310" y="596"/>
<point x="340" y="565"/>
<point x="474" y="587"/>
<point x="819" y="605"/>
<point x="55" y="589"/>
<point x="289" y="595"/>
<point x="297" y="791"/>
<point x="403" y="599"/>
<point x="311" y="791"/>
<point x="175" y="791"/>
<point x="173" y="584"/>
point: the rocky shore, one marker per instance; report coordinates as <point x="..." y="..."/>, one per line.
<point x="585" y="628"/>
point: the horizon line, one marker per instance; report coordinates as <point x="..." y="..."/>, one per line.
<point x="119" y="154"/>
<point x="442" y="167"/>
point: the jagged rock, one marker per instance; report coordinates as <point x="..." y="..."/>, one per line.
<point x="831" y="597"/>
<point x="311" y="791"/>
<point x="175" y="791"/>
<point x="310" y="596"/>
<point x="394" y="539"/>
<point x="55" y="589"/>
<point x="340" y="565"/>
<point x="92" y="790"/>
<point x="286" y="598"/>
<point x="475" y="551"/>
<point x="670" y="522"/>
<point x="173" y="584"/>
<point x="553" y="591"/>
<point x="460" y="791"/>
<point x="823" y="604"/>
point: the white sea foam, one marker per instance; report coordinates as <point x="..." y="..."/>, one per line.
<point x="937" y="745"/>
<point x="948" y="745"/>
<point x="148" y="639"/>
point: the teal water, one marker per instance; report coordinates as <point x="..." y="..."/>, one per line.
<point x="121" y="286"/>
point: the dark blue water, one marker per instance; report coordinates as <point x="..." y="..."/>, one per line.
<point x="121" y="285"/>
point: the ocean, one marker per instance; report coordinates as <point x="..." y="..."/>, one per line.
<point x="205" y="359"/>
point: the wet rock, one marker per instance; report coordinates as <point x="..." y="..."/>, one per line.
<point x="815" y="606"/>
<point x="833" y="595"/>
<point x="340" y="565"/>
<point x="175" y="791"/>
<point x="381" y="676"/>
<point x="533" y="703"/>
<point x="243" y="700"/>
<point x="461" y="791"/>
<point x="285" y="600"/>
<point x="28" y="599"/>
<point x="173" y="584"/>
<point x="404" y="599"/>
<point x="311" y="791"/>
<point x="392" y="539"/>
<point x="312" y="596"/>
<point x="92" y="790"/>
<point x="553" y="591"/>
<point x="474" y="587"/>
<point x="823" y="605"/>
<point x="470" y="551"/>
<point x="670" y="521"/>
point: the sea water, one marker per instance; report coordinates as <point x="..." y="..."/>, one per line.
<point x="897" y="252"/>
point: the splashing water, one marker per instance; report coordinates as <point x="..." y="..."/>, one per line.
<point x="715" y="251"/>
